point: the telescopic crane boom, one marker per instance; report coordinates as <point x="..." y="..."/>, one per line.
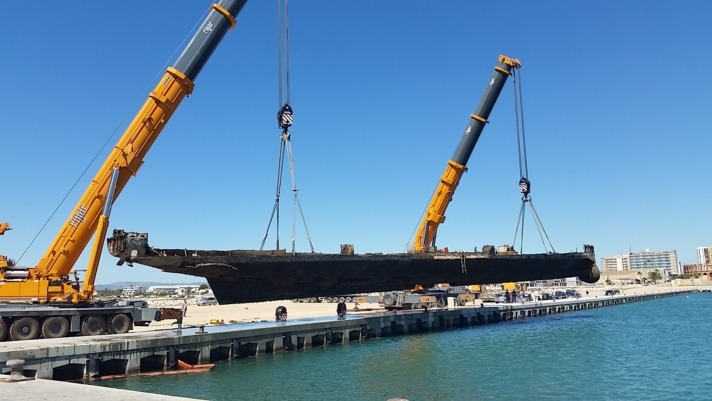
<point x="49" y="281"/>
<point x="456" y="166"/>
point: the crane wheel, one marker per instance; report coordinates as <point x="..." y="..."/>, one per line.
<point x="119" y="324"/>
<point x="24" y="328"/>
<point x="55" y="327"/>
<point x="3" y="330"/>
<point x="389" y="299"/>
<point x="93" y="325"/>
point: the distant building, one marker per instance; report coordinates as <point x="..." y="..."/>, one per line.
<point x="698" y="269"/>
<point x="663" y="261"/>
<point x="704" y="255"/>
<point x="616" y="263"/>
<point x="174" y="289"/>
<point x="130" y="291"/>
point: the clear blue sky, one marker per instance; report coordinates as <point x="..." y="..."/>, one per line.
<point x="617" y="113"/>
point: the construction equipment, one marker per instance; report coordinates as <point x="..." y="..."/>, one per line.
<point x="420" y="298"/>
<point x="47" y="286"/>
<point x="424" y="240"/>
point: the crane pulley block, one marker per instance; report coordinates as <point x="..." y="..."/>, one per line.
<point x="285" y="117"/>
<point x="524" y="186"/>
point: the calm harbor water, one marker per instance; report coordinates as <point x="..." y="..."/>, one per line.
<point x="651" y="350"/>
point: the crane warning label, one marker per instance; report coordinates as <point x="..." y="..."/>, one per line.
<point x="78" y="216"/>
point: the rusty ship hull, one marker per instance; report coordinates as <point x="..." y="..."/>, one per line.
<point x="240" y="276"/>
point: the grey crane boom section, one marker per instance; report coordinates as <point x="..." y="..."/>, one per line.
<point x="219" y="20"/>
<point x="479" y="118"/>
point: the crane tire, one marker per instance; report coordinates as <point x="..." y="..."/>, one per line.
<point x="388" y="299"/>
<point x="119" y="324"/>
<point x="24" y="328"/>
<point x="55" y="327"/>
<point x="93" y="325"/>
<point x="3" y="330"/>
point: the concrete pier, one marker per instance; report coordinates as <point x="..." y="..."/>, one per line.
<point x="91" y="358"/>
<point x="38" y="389"/>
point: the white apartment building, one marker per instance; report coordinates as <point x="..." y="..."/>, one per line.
<point x="664" y="261"/>
<point x="616" y="263"/>
<point x="130" y="291"/>
<point x="176" y="289"/>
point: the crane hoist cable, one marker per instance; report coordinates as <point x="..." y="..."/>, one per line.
<point x="524" y="183"/>
<point x="285" y="119"/>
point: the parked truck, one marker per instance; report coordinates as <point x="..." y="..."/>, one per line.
<point x="49" y="299"/>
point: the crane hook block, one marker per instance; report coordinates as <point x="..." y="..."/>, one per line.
<point x="285" y="117"/>
<point x="524" y="186"/>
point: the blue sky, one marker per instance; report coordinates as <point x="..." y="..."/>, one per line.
<point x="616" y="105"/>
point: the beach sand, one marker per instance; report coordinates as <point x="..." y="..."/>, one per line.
<point x="250" y="312"/>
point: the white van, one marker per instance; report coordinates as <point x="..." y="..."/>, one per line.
<point x="206" y="300"/>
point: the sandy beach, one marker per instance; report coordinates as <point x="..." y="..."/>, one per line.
<point x="250" y="312"/>
<point x="264" y="311"/>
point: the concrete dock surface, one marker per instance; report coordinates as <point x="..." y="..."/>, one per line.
<point x="39" y="389"/>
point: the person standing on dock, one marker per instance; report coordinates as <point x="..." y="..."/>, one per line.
<point x="184" y="308"/>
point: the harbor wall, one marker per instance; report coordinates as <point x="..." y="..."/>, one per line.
<point x="157" y="352"/>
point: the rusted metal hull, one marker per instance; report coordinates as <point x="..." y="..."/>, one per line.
<point x="239" y="276"/>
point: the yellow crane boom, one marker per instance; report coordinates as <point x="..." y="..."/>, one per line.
<point x="49" y="280"/>
<point x="456" y="166"/>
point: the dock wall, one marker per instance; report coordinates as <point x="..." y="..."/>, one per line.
<point x="102" y="357"/>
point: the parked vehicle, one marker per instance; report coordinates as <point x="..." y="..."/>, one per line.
<point x="545" y="296"/>
<point x="207" y="300"/>
<point x="570" y="292"/>
<point x="559" y="295"/>
<point x="613" y="292"/>
<point x="500" y="297"/>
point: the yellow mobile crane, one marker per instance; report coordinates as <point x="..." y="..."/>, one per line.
<point x="48" y="284"/>
<point x="435" y="213"/>
<point x="424" y="240"/>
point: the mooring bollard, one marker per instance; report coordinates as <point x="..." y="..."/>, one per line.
<point x="16" y="367"/>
